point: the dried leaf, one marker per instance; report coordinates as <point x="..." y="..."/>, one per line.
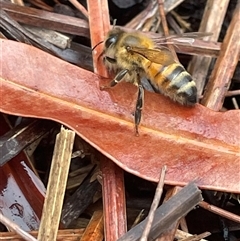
<point x="194" y="143"/>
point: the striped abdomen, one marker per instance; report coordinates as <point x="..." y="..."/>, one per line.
<point x="173" y="81"/>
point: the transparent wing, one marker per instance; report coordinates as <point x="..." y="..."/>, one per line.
<point x="185" y="38"/>
<point x="161" y="55"/>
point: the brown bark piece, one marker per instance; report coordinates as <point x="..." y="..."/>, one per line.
<point x="114" y="202"/>
<point x="94" y="230"/>
<point x="18" y="138"/>
<point x="76" y="204"/>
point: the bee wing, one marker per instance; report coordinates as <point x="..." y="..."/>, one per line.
<point x="185" y="38"/>
<point x="161" y="55"/>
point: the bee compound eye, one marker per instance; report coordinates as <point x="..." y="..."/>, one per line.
<point x="111" y="40"/>
<point x="110" y="60"/>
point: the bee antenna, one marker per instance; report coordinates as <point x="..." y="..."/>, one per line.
<point x="97" y="45"/>
<point x="114" y="23"/>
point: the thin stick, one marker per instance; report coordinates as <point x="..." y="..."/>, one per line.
<point x="197" y="237"/>
<point x="165" y="27"/>
<point x="220" y="211"/>
<point x="16" y="228"/>
<point x="79" y="6"/>
<point x="180" y="235"/>
<point x="154" y="205"/>
<point x="235" y="104"/>
<point x="232" y="93"/>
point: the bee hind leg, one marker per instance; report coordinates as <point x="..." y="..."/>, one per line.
<point x="138" y="110"/>
<point x="120" y="75"/>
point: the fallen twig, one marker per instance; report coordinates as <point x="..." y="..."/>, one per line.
<point x="154" y="205"/>
<point x="16" y="228"/>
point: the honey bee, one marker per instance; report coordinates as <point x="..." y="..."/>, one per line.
<point x="134" y="56"/>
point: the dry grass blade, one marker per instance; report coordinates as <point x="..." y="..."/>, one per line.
<point x="56" y="185"/>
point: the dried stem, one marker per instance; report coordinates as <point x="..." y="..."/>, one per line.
<point x="220" y="211"/>
<point x="165" y="27"/>
<point x="197" y="237"/>
<point x="154" y="205"/>
<point x="16" y="228"/>
<point x="232" y="93"/>
<point x="80" y="7"/>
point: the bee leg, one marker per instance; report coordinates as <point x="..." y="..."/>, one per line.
<point x="120" y="75"/>
<point x="139" y="106"/>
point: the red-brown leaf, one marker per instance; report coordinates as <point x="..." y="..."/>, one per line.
<point x="194" y="143"/>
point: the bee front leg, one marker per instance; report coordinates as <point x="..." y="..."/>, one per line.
<point x="120" y="75"/>
<point x="139" y="106"/>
